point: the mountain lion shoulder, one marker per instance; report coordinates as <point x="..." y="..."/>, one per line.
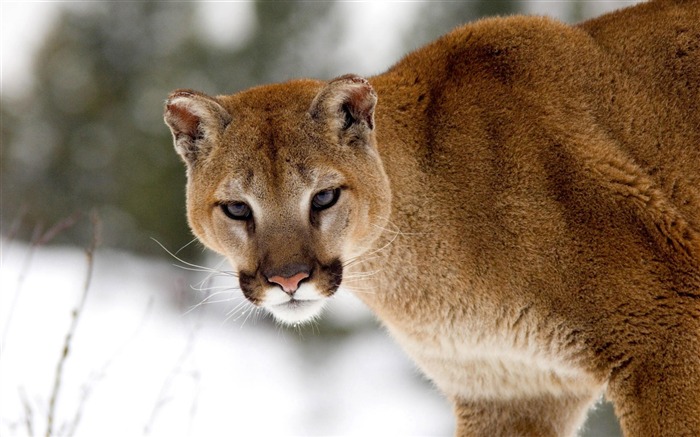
<point x="518" y="202"/>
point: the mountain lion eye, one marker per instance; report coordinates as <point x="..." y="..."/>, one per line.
<point x="325" y="199"/>
<point x="237" y="210"/>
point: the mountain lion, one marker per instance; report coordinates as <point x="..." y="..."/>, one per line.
<point x="518" y="202"/>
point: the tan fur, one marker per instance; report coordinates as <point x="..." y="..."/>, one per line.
<point x="521" y="209"/>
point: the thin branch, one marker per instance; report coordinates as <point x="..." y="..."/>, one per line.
<point x="28" y="415"/>
<point x="177" y="370"/>
<point x="16" y="224"/>
<point x="39" y="238"/>
<point x="59" y="227"/>
<point x="95" y="377"/>
<point x="197" y="377"/>
<point x="89" y="252"/>
<point x="36" y="235"/>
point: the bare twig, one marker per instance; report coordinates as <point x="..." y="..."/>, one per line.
<point x="89" y="252"/>
<point x="174" y="372"/>
<point x="98" y="375"/>
<point x="16" y="224"/>
<point x="197" y="377"/>
<point x="39" y="238"/>
<point x="59" y="227"/>
<point x="20" y="282"/>
<point x="36" y="236"/>
<point x="28" y="416"/>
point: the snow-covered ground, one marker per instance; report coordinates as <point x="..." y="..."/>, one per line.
<point x="140" y="363"/>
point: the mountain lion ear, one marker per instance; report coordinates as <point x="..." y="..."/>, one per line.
<point x="195" y="120"/>
<point x="346" y="102"/>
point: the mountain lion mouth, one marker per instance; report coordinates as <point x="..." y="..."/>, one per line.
<point x="293" y="294"/>
<point x="296" y="311"/>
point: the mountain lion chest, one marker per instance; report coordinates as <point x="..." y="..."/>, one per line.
<point x="496" y="355"/>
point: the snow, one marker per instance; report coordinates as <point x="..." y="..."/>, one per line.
<point x="140" y="363"/>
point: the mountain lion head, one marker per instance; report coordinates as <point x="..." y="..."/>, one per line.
<point x="286" y="182"/>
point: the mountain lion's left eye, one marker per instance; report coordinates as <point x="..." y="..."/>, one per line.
<point x="325" y="199"/>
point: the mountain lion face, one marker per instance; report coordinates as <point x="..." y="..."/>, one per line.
<point x="286" y="183"/>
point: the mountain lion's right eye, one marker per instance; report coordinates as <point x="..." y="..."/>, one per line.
<point x="237" y="210"/>
<point x="325" y="199"/>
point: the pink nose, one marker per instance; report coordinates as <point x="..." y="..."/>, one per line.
<point x="291" y="284"/>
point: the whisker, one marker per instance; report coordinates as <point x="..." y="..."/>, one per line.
<point x="187" y="244"/>
<point x="246" y="312"/>
<point x="361" y="290"/>
<point x="205" y="284"/>
<point x="254" y="311"/>
<point x="216" y="293"/>
<point x="232" y="312"/>
<point x="216" y="274"/>
<point x="191" y="266"/>
<point x="360" y="261"/>
<point x="236" y="308"/>
<point x="207" y="280"/>
<point x="230" y="299"/>
<point x="396" y="229"/>
<point x="207" y="300"/>
<point x="364" y="257"/>
<point x="258" y="315"/>
<point x="354" y="284"/>
<point x="206" y="270"/>
<point x="386" y="245"/>
<point x="201" y="288"/>
<point x="356" y="275"/>
<point x="360" y="287"/>
<point x="194" y="307"/>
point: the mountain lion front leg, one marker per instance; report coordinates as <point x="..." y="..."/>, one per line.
<point x="658" y="393"/>
<point x="544" y="416"/>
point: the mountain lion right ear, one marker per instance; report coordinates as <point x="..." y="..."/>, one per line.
<point x="346" y="103"/>
<point x="195" y="120"/>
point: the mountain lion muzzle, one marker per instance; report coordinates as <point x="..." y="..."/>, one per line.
<point x="518" y="202"/>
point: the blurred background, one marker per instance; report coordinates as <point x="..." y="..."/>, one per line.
<point x="157" y="345"/>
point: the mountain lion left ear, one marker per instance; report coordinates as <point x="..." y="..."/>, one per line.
<point x="346" y="101"/>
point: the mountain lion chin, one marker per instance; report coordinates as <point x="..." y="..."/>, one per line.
<point x="294" y="312"/>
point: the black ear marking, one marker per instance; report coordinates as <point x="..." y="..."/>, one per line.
<point x="349" y="119"/>
<point x="345" y="102"/>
